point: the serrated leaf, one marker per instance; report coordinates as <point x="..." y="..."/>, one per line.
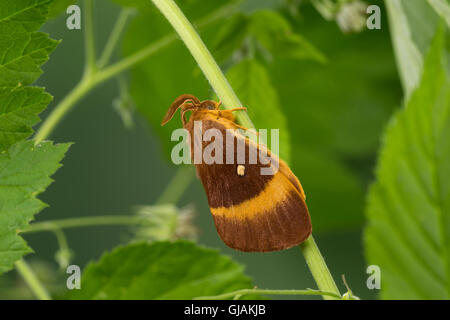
<point x="24" y="173"/>
<point x="25" y="168"/>
<point x="408" y="207"/>
<point x="19" y="109"/>
<point x="161" y="270"/>
<point x="23" y="51"/>
<point x="253" y="86"/>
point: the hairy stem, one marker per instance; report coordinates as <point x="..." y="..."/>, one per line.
<point x="318" y="267"/>
<point x="31" y="280"/>
<point x="52" y="225"/>
<point x="239" y="293"/>
<point x="89" y="39"/>
<point x="224" y="91"/>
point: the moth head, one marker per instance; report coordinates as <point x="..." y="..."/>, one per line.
<point x="188" y="102"/>
<point x="185" y="101"/>
<point x="210" y="105"/>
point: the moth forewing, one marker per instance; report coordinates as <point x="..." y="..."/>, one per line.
<point x="256" y="205"/>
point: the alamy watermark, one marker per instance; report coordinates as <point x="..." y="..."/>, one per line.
<point x="73" y="21"/>
<point x="214" y="146"/>
<point x="74" y="280"/>
<point x="374" y="280"/>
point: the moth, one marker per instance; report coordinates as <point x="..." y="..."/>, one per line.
<point x="252" y="212"/>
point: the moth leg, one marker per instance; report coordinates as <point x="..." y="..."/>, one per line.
<point x="183" y="114"/>
<point x="180" y="102"/>
<point x="256" y="133"/>
<point x="238" y="109"/>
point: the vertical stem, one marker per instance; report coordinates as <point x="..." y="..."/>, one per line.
<point x="319" y="268"/>
<point x="177" y="185"/>
<point x="89" y="39"/>
<point x="32" y="281"/>
<point x="63" y="107"/>
<point x="203" y="57"/>
<point x="224" y="91"/>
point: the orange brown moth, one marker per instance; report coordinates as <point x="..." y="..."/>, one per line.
<point x="251" y="211"/>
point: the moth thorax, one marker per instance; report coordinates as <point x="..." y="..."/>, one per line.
<point x="240" y="170"/>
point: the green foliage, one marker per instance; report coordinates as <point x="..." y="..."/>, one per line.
<point x="251" y="82"/>
<point x="24" y="173"/>
<point x="272" y="32"/>
<point x="161" y="270"/>
<point x="336" y="113"/>
<point x="442" y="7"/>
<point x="152" y="84"/>
<point x="57" y="7"/>
<point x="413" y="24"/>
<point x="24" y="167"/>
<point x="314" y="104"/>
<point x="22" y="49"/>
<point x="408" y="208"/>
<point x="19" y="109"/>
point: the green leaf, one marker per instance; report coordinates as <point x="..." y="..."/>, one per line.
<point x="19" y="109"/>
<point x="274" y="32"/>
<point x="25" y="168"/>
<point x="253" y="86"/>
<point x="24" y="173"/>
<point x="270" y="29"/>
<point x="413" y="24"/>
<point x="57" y="7"/>
<point x="335" y="113"/>
<point x="442" y="7"/>
<point x="230" y="37"/>
<point x="23" y="51"/>
<point x="408" y="207"/>
<point x="161" y="270"/>
<point x="153" y="87"/>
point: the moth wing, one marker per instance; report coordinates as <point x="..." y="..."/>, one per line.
<point x="254" y="212"/>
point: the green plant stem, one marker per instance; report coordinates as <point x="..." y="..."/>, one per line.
<point x="203" y="58"/>
<point x="79" y="91"/>
<point x="239" y="293"/>
<point x="91" y="80"/>
<point x="177" y="185"/>
<point x="318" y="267"/>
<point x="229" y="99"/>
<point x="32" y="281"/>
<point x="61" y="239"/>
<point x="114" y="37"/>
<point x="89" y="39"/>
<point x="51" y="225"/>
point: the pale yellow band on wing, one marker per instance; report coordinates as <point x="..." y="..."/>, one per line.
<point x="277" y="190"/>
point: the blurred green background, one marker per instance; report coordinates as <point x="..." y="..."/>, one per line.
<point x="335" y="113"/>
